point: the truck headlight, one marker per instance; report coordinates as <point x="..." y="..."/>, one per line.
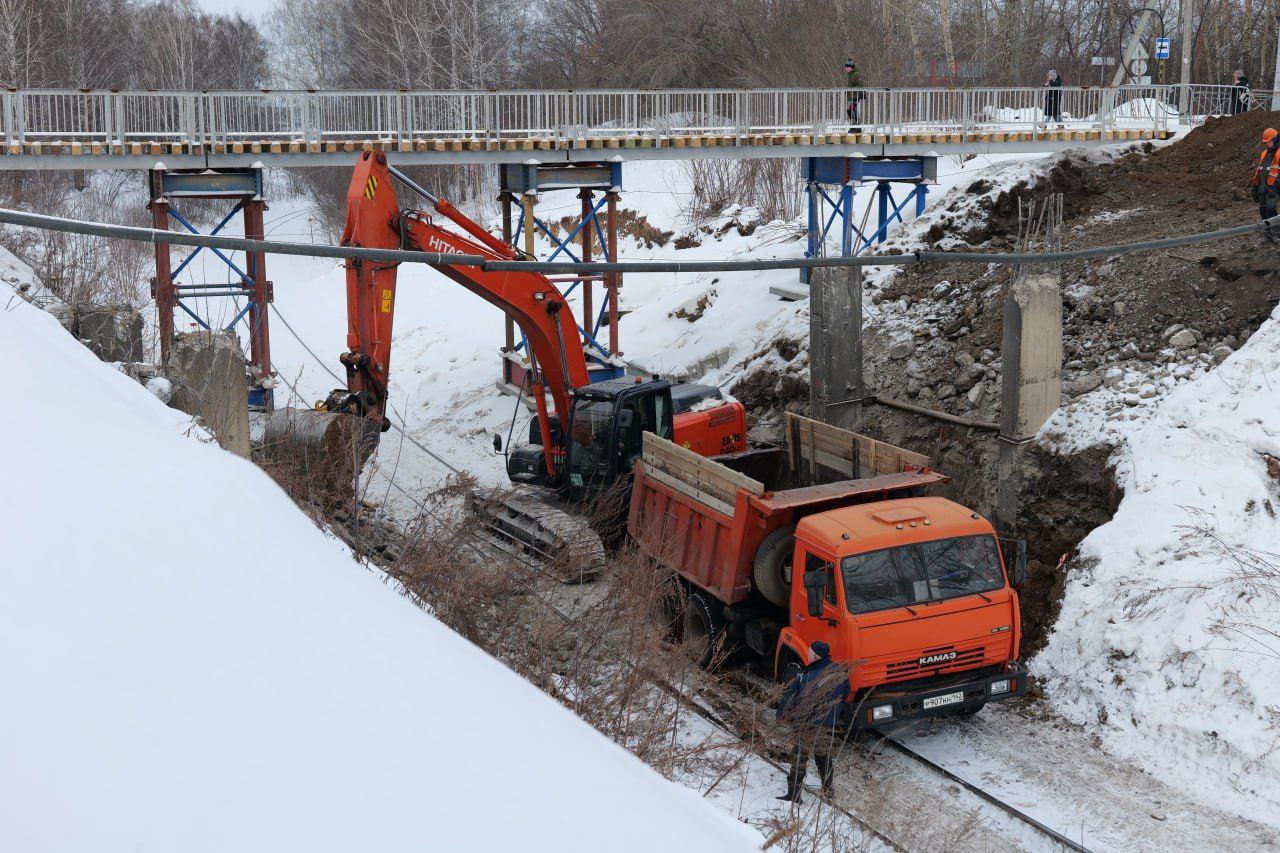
<point x="881" y="712"/>
<point x="1000" y="686"/>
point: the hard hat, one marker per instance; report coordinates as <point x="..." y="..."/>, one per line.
<point x="1268" y="134"/>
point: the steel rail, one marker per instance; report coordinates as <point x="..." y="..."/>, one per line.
<point x="985" y="796"/>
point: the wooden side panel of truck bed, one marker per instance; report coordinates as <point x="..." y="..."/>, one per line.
<point x="706" y="520"/>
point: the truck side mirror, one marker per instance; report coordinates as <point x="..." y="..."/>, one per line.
<point x="1015" y="560"/>
<point x="497" y="443"/>
<point x="815" y="587"/>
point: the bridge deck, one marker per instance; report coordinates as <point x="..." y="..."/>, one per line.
<point x="42" y="129"/>
<point x="54" y="154"/>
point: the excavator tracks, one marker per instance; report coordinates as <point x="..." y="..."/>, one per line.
<point x="526" y="519"/>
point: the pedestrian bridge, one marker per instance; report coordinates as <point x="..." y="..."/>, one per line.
<point x="91" y="129"/>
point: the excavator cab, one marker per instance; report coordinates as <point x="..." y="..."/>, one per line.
<point x="604" y="437"/>
<point x="606" y="425"/>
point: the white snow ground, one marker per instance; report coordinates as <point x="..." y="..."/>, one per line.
<point x="189" y="664"/>
<point x="1166" y="644"/>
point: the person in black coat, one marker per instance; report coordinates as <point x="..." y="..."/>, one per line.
<point x="1239" y="93"/>
<point x="1053" y="97"/>
<point x="812" y="705"/>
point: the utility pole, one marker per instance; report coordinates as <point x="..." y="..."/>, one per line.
<point x="1275" y="78"/>
<point x="1186" y="9"/>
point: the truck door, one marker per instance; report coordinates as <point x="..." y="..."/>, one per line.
<point x="830" y="627"/>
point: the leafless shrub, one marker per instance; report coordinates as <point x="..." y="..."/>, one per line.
<point x="770" y="186"/>
<point x="1250" y="575"/>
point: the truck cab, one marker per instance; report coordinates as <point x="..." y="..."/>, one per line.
<point x="914" y="597"/>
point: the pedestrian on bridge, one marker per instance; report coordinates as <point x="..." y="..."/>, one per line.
<point x="1264" y="187"/>
<point x="1239" y="93"/>
<point x="853" y="95"/>
<point x="1053" y="98"/>
<point x="812" y="706"/>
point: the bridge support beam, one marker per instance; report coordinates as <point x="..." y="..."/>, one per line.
<point x="831" y="184"/>
<point x="249" y="288"/>
<point x="590" y="235"/>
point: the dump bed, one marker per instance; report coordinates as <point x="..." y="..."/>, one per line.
<point x="705" y="518"/>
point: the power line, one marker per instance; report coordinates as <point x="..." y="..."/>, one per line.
<point x="152" y="235"/>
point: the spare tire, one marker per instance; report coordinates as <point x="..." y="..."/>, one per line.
<point x="772" y="568"/>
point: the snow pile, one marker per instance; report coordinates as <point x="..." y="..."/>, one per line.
<point x="1166" y="641"/>
<point x="190" y="665"/>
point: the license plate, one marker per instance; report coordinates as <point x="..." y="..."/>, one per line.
<point x="944" y="699"/>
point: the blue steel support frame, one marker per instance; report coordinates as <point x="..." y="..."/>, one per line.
<point x="828" y="210"/>
<point x="516" y="180"/>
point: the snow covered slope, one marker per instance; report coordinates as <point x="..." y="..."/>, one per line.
<point x="1167" y="639"/>
<point x="188" y="664"/>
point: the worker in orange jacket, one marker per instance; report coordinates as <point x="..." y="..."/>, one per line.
<point x="1265" y="186"/>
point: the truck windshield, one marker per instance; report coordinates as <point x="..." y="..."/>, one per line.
<point x="589" y="442"/>
<point x="920" y="573"/>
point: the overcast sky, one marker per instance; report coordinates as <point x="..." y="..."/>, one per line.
<point x="249" y="8"/>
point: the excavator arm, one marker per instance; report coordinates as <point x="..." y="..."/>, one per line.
<point x="375" y="220"/>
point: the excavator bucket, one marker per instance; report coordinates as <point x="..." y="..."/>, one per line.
<point x="316" y="455"/>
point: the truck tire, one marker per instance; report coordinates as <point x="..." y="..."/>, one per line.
<point x="666" y="609"/>
<point x="704" y="628"/>
<point x="771" y="570"/>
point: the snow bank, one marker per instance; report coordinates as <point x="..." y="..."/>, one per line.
<point x="1166" y="642"/>
<point x="188" y="664"/>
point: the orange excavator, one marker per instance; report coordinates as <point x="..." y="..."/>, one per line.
<point x="591" y="435"/>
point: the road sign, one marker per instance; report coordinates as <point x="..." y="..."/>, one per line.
<point x="1102" y="61"/>
<point x="1162" y="48"/>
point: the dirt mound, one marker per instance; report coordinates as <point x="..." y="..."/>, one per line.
<point x="1116" y="310"/>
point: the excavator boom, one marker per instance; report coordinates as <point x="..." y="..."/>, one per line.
<point x="375" y="220"/>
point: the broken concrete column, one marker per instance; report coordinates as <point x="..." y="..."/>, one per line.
<point x="208" y="380"/>
<point x="835" y="346"/>
<point x="1031" y="377"/>
<point x="111" y="332"/>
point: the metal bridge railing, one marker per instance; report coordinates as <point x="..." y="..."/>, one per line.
<point x="121" y="118"/>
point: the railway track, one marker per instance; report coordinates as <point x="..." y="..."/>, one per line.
<point x="742" y="687"/>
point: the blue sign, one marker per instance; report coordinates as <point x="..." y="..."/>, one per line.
<point x="1162" y="48"/>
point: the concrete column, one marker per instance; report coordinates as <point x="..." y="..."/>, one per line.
<point x="835" y="345"/>
<point x="1031" y="377"/>
<point x="207" y="371"/>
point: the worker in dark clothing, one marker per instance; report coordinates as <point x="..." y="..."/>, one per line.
<point x="1264" y="187"/>
<point x="1239" y="93"/>
<point x="1053" y="98"/>
<point x="853" y="95"/>
<point x="812" y="706"/>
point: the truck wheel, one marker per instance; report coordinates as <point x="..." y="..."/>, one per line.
<point x="772" y="568"/>
<point x="665" y="610"/>
<point x="704" y="628"/>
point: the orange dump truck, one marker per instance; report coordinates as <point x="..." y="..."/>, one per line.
<point x="913" y="593"/>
